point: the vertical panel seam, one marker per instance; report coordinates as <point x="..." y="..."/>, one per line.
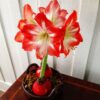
<point x="9" y="53"/>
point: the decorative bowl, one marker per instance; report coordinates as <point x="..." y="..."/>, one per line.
<point x="51" y="95"/>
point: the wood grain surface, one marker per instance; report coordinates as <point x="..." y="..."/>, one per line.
<point x="73" y="89"/>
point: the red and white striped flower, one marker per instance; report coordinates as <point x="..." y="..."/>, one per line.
<point x="72" y="36"/>
<point x="44" y="37"/>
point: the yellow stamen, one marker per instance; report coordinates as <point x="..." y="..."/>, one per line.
<point x="44" y="36"/>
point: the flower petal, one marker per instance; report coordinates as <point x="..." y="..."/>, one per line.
<point x="31" y="31"/>
<point x="28" y="45"/>
<point x="54" y="50"/>
<point x="41" y="50"/>
<point x="53" y="7"/>
<point x="54" y="13"/>
<point x="72" y="18"/>
<point x="28" y="13"/>
<point x="60" y="22"/>
<point x="41" y="18"/>
<point x="79" y="37"/>
<point x="19" y="37"/>
<point x="39" y="56"/>
<point x="21" y="24"/>
<point x="63" y="12"/>
<point x="64" y="50"/>
<point x="42" y="9"/>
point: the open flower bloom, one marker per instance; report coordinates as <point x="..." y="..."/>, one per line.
<point x="28" y="17"/>
<point x="72" y="36"/>
<point x="42" y="36"/>
<point x="54" y="13"/>
<point x="49" y="31"/>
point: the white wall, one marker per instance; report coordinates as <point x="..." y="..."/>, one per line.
<point x="93" y="65"/>
<point x="83" y="62"/>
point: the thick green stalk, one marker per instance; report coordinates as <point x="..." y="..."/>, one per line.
<point x="44" y="63"/>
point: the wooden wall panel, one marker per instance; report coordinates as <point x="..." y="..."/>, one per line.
<point x="87" y="18"/>
<point x="5" y="61"/>
<point x="93" y="65"/>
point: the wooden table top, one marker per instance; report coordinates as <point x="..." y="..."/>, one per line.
<point x="73" y="89"/>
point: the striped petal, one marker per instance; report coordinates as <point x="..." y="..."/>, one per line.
<point x="28" y="45"/>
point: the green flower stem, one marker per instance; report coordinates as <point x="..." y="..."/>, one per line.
<point x="44" y="63"/>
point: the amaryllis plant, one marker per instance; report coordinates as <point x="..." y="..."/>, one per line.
<point x="51" y="31"/>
